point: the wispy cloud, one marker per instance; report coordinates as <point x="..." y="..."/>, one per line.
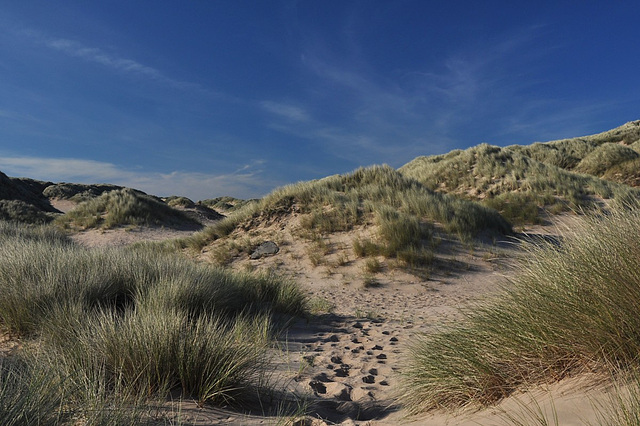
<point x="478" y="92"/>
<point x="114" y="62"/>
<point x="111" y="60"/>
<point x="248" y="181"/>
<point x="287" y="111"/>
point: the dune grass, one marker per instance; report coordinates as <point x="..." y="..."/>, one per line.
<point x="505" y="179"/>
<point x="77" y="192"/>
<point x="341" y="202"/>
<point x="120" y="208"/>
<point x="571" y="308"/>
<point x="177" y="201"/>
<point x="627" y="173"/>
<point x="119" y="326"/>
<point x="19" y="211"/>
<point x="225" y="204"/>
<point x="604" y="157"/>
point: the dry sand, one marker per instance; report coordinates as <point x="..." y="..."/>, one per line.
<point x="344" y="363"/>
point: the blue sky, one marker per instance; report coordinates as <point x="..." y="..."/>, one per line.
<point x="208" y="98"/>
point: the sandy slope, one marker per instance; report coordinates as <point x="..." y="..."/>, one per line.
<point x="344" y="363"/>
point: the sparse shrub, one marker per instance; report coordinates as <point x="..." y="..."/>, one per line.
<point x="372" y="266"/>
<point x="370" y="281"/>
<point x="320" y="305"/>
<point x="365" y="247"/>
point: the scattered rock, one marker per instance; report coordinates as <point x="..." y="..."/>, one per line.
<point x="268" y="248"/>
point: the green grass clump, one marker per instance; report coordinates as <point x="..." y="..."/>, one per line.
<point x="120" y="208"/>
<point x="130" y="324"/>
<point x="606" y="156"/>
<point x="571" y="308"/>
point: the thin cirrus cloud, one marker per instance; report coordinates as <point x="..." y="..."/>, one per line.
<point x="245" y="182"/>
<point x="287" y="111"/>
<point x="112" y="61"/>
<point x="124" y="65"/>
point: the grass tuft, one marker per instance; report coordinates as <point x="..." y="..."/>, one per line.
<point x="120" y="208"/>
<point x="119" y="326"/>
<point x="572" y="307"/>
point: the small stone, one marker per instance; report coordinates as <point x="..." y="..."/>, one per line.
<point x="373" y="371"/>
<point x="268" y="248"/>
<point x="376" y="348"/>
<point x="336" y="359"/>
<point x="357" y="325"/>
<point x="393" y="339"/>
<point x="382" y="356"/>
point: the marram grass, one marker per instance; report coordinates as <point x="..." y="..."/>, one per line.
<point x="571" y="307"/>
<point x="120" y="208"/>
<point x="120" y="326"/>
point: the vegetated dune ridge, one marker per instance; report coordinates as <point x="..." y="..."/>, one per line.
<point x="520" y="181"/>
<point x="384" y="257"/>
